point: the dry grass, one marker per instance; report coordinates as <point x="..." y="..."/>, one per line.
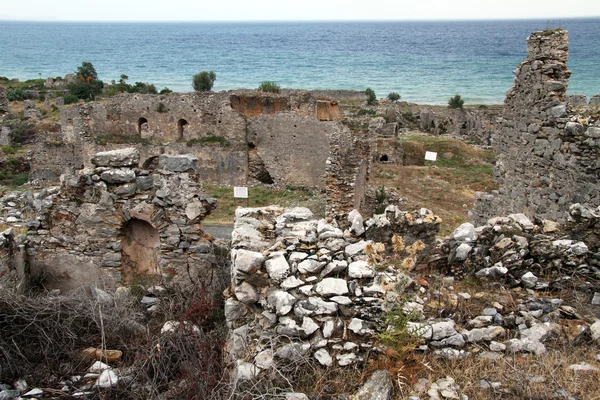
<point x="446" y="187"/>
<point x="521" y="377"/>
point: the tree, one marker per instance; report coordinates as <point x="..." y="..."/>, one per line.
<point x="456" y="102"/>
<point x="86" y="72"/>
<point x="393" y="97"/>
<point x="87" y="85"/>
<point x="371" y="97"/>
<point x="204" y="81"/>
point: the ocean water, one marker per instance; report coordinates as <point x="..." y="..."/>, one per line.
<point x="426" y="62"/>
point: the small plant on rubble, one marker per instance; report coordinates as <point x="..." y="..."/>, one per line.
<point x="409" y="253"/>
<point x="375" y="252"/>
<point x="381" y="200"/>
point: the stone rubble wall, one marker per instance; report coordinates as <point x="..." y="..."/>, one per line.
<point x="75" y="234"/>
<point x="547" y="150"/>
<point x="304" y="289"/>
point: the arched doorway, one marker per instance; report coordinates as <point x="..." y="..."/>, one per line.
<point x="142" y="125"/>
<point x="181" y="128"/>
<point x="140" y="245"/>
<point x="384" y="158"/>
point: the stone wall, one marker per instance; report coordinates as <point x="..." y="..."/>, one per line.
<point x="118" y="222"/>
<point x="547" y="150"/>
<point x="4" y="109"/>
<point x="304" y="289"/>
<point x="238" y="137"/>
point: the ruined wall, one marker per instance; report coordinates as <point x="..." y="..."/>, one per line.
<point x="238" y="137"/>
<point x="304" y="289"/>
<point x="347" y="174"/>
<point x="293" y="149"/>
<point x="118" y="222"/>
<point x="547" y="150"/>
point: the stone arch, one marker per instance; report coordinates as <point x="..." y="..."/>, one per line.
<point x="142" y="125"/>
<point x="140" y="244"/>
<point x="151" y="163"/>
<point x="181" y="124"/>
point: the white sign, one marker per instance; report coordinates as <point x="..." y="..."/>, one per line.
<point x="430" y="156"/>
<point x="240" y="192"/>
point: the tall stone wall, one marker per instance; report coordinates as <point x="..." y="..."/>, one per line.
<point x="547" y="150"/>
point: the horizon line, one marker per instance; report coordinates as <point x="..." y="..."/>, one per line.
<point x="304" y="20"/>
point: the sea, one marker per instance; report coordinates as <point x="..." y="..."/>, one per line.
<point x="425" y="62"/>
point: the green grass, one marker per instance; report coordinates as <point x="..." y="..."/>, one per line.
<point x="260" y="196"/>
<point x="209" y="141"/>
<point x="121" y="139"/>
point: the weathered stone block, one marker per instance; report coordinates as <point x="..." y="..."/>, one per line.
<point x="129" y="157"/>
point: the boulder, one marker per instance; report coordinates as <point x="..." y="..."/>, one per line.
<point x="129" y="157"/>
<point x="179" y="163"/>
<point x="378" y="387"/>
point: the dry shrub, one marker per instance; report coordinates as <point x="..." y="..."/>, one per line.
<point x="40" y="334"/>
<point x="518" y="375"/>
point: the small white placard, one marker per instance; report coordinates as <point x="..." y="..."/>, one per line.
<point x="240" y="192"/>
<point x="430" y="156"/>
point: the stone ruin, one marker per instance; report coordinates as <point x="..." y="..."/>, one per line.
<point x="547" y="148"/>
<point x="111" y="225"/>
<point x="304" y="289"/>
<point x="4" y="109"/>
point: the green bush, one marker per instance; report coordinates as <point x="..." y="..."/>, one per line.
<point x="20" y="179"/>
<point x="8" y="150"/>
<point x="165" y="91"/>
<point x="70" y="98"/>
<point x="456" y="102"/>
<point x="208" y="140"/>
<point x="143" y="87"/>
<point x="16" y="95"/>
<point x="269" y="86"/>
<point x="204" y="81"/>
<point x="393" y="97"/>
<point x="371" y="97"/>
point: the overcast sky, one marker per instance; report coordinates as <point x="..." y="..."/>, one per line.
<point x="275" y="10"/>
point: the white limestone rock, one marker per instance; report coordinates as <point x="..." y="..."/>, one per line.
<point x="355" y="249"/>
<point x="281" y="301"/>
<point x="277" y="267"/>
<point x="323" y="357"/>
<point x="360" y="269"/>
<point x="246" y="293"/>
<point x="247" y="261"/>
<point x="356" y="223"/>
<point x="332" y="287"/>
<point x="465" y="233"/>
<point x="129" y="157"/>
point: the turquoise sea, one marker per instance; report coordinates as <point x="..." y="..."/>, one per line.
<point x="426" y="62"/>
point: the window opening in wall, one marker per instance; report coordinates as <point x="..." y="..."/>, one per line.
<point x="384" y="158"/>
<point x="140" y="245"/>
<point x="142" y="125"/>
<point x="181" y="127"/>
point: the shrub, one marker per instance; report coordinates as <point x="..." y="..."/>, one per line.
<point x="371" y="97"/>
<point x="269" y="86"/>
<point x="16" y="95"/>
<point x="70" y="98"/>
<point x="393" y="97"/>
<point x="165" y="91"/>
<point x="456" y="102"/>
<point x="143" y="87"/>
<point x="204" y="81"/>
<point x="8" y="150"/>
<point x="161" y="108"/>
<point x="208" y="141"/>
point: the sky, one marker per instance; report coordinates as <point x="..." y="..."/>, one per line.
<point x="298" y="10"/>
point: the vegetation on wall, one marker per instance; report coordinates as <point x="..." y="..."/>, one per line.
<point x="269" y="87"/>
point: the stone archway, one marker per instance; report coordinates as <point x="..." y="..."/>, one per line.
<point x="181" y="124"/>
<point x="140" y="244"/>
